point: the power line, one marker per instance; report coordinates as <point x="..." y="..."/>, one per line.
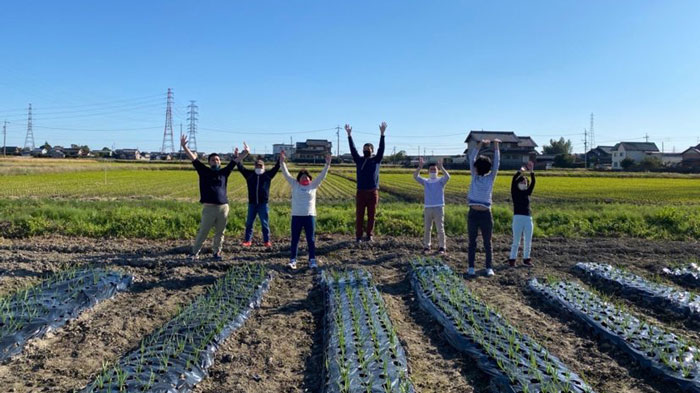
<point x="107" y="103"/>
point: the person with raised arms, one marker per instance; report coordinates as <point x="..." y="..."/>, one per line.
<point x="520" y="191"/>
<point x="483" y="175"/>
<point x="304" y="188"/>
<point x="367" y="172"/>
<point x="433" y="203"/>
<point x="213" y="197"/>
<point x="258" y="182"/>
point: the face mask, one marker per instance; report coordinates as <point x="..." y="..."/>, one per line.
<point x="305" y="182"/>
<point x="433" y="175"/>
<point x="216" y="167"/>
<point x="522" y="186"/>
<point x="259" y="171"/>
<point x="367" y="153"/>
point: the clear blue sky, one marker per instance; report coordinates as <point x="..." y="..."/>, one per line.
<point x="96" y="72"/>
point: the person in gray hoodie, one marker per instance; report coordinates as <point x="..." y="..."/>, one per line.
<point x="433" y="203"/>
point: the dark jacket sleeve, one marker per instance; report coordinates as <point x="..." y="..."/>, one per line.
<point x="353" y="151"/>
<point x="514" y="183"/>
<point x="272" y="172"/>
<point x="380" y="151"/>
<point x="532" y="183"/>
<point x="199" y="166"/>
<point x="244" y="171"/>
<point x="229" y="167"/>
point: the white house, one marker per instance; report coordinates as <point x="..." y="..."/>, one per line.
<point x="633" y="150"/>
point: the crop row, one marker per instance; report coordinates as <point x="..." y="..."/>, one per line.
<point x="514" y="362"/>
<point x="686" y="275"/>
<point x="35" y="310"/>
<point x="656" y="349"/>
<point x="363" y="352"/>
<point x="175" y="357"/>
<point x="664" y="298"/>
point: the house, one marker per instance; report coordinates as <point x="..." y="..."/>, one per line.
<point x="668" y="159"/>
<point x="39" y="152"/>
<point x="73" y="152"/>
<point x="516" y="151"/>
<point x="127" y="154"/>
<point x="157" y="156"/>
<point x="544" y="161"/>
<point x="56" y="153"/>
<point x="633" y="150"/>
<point x="289" y="150"/>
<point x="690" y="158"/>
<point x="313" y="150"/>
<point x="600" y="156"/>
<point x="11" y="150"/>
<point x="101" y="153"/>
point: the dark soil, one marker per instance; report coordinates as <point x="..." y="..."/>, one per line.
<point x="280" y="348"/>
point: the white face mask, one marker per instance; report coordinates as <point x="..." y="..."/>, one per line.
<point x="522" y="186"/>
<point x="433" y="175"/>
<point x="259" y="171"/>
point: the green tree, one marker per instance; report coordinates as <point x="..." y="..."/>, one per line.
<point x="561" y="146"/>
<point x="650" y="163"/>
<point x="563" y="161"/>
<point x="46" y="145"/>
<point x="627" y="163"/>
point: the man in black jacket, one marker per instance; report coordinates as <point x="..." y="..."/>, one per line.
<point x="258" y="181"/>
<point x="212" y="190"/>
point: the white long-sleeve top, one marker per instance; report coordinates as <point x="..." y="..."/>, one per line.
<point x="304" y="197"/>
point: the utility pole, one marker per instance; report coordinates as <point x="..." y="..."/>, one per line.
<point x="337" y="134"/>
<point x="646" y="137"/>
<point x="585" y="148"/>
<point x="29" y="139"/>
<point x="168" y="144"/>
<point x="4" y="139"/>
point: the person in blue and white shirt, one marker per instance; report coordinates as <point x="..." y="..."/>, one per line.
<point x="433" y="203"/>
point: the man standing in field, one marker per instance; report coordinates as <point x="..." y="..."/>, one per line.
<point x="212" y="190"/>
<point x="433" y="203"/>
<point x="367" y="169"/>
<point x="258" y="182"/>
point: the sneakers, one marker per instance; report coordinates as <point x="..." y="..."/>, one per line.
<point x="442" y="251"/>
<point x="358" y="240"/>
<point x="527" y="262"/>
<point x="268" y="244"/>
<point x="369" y="239"/>
<point x="426" y="250"/>
<point x="471" y="272"/>
<point x="489" y="272"/>
<point x="292" y="264"/>
<point x="312" y="263"/>
<point x="247" y="243"/>
<point x="194" y="257"/>
<point x="217" y="257"/>
<point x="511" y="262"/>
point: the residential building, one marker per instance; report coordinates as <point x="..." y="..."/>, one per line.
<point x="668" y="159"/>
<point x="11" y="150"/>
<point x="127" y="154"/>
<point x="690" y="158"/>
<point x="516" y="151"/>
<point x="600" y="156"/>
<point x="633" y="150"/>
<point x="39" y="152"/>
<point x="313" y="150"/>
<point x="289" y="150"/>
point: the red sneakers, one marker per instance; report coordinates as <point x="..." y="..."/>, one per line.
<point x="246" y="244"/>
<point x="268" y="244"/>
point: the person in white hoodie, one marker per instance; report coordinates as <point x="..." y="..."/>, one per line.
<point x="304" y="209"/>
<point x="433" y="203"/>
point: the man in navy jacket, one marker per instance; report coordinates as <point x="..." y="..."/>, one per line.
<point x="367" y="169"/>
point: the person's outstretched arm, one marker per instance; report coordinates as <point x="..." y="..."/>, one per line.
<point x="353" y="150"/>
<point x="272" y="172"/>
<point x="285" y="172"/>
<point x="472" y="157"/>
<point x="380" y="151"/>
<point x="315" y="183"/>
<point x="416" y="173"/>
<point x="496" y="157"/>
<point x="532" y="182"/>
<point x="244" y="171"/>
<point x="188" y="152"/>
<point x="445" y="174"/>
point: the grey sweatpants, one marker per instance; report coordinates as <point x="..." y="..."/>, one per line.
<point x="212" y="216"/>
<point x="435" y="215"/>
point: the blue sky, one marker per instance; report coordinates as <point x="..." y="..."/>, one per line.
<point x="96" y="73"/>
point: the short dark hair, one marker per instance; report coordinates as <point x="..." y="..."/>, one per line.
<point x="432" y="164"/>
<point x="482" y="165"/>
<point x="304" y="172"/>
<point x="212" y="155"/>
<point x="371" y="146"/>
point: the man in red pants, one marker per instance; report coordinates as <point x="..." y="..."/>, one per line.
<point x="367" y="168"/>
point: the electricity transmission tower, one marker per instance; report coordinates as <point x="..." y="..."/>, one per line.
<point x="29" y="139"/>
<point x="168" y="145"/>
<point x="192" y="117"/>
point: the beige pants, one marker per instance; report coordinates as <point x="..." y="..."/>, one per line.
<point x="212" y="216"/>
<point x="434" y="215"/>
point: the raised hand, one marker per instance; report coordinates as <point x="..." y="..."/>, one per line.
<point x="328" y="159"/>
<point x="439" y="163"/>
<point x="246" y="148"/>
<point x="283" y="156"/>
<point x="496" y="141"/>
<point x="420" y="162"/>
<point x="235" y="152"/>
<point x="348" y="129"/>
<point x="382" y="127"/>
<point x="485" y="142"/>
<point x="530" y="165"/>
<point x="183" y="140"/>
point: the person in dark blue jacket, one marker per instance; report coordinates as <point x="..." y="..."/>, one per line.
<point x="367" y="169"/>
<point x="258" y="181"/>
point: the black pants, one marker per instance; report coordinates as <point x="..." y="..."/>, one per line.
<point x="480" y="219"/>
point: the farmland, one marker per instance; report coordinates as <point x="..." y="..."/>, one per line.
<point x="182" y="319"/>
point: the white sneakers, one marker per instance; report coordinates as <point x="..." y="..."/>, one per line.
<point x="472" y="273"/>
<point x="292" y="264"/>
<point x="313" y="264"/>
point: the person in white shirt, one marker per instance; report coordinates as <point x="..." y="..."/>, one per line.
<point x="434" y="203"/>
<point x="304" y="208"/>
